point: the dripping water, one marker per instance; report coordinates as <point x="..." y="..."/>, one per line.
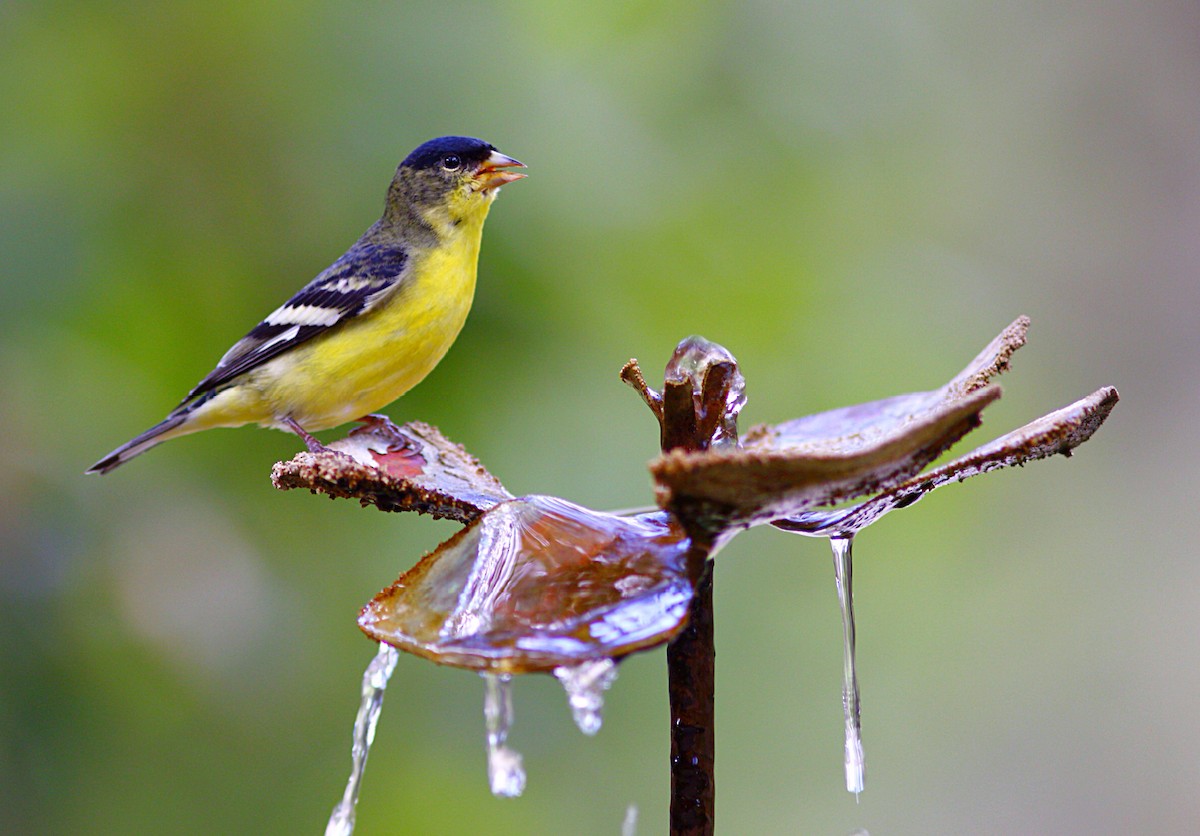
<point x="374" y="682"/>
<point x="629" y="824"/>
<point x="506" y="775"/>
<point x="844" y="576"/>
<point x="585" y="685"/>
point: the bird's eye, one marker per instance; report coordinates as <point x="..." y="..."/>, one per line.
<point x="451" y="162"/>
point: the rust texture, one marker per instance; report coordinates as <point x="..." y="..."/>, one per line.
<point x="830" y="457"/>
<point x="1060" y="432"/>
<point x="691" y="674"/>
<point x="701" y="398"/>
<point x="631" y="373"/>
<point x="767" y="481"/>
<point x="408" y="468"/>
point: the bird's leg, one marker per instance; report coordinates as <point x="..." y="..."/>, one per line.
<point x="311" y="443"/>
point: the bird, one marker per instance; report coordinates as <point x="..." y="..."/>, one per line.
<point x="369" y="327"/>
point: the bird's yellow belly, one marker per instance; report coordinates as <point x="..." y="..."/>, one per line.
<point x="365" y="364"/>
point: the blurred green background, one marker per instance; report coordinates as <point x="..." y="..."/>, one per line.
<point x="852" y="197"/>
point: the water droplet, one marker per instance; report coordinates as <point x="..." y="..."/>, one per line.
<point x="585" y="685"/>
<point x="629" y="825"/>
<point x="843" y="569"/>
<point x="375" y="680"/>
<point x="506" y="775"/>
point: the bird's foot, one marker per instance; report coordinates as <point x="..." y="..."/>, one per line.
<point x="374" y="421"/>
<point x="383" y="426"/>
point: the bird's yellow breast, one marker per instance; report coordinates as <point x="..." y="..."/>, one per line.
<point x="366" y="363"/>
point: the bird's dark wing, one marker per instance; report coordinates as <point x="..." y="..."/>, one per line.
<point x="348" y="288"/>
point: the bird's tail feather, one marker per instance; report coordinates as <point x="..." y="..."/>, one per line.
<point x="157" y="434"/>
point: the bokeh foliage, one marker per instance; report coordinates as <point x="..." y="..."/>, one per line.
<point x="851" y="197"/>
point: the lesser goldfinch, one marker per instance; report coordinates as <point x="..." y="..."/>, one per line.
<point x="372" y="325"/>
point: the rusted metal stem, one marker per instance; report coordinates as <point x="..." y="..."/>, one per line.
<point x="698" y="407"/>
<point x="691" y="676"/>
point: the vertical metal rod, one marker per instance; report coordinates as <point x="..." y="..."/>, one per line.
<point x="691" y="675"/>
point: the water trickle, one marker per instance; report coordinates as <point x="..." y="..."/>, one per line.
<point x="629" y="824"/>
<point x="375" y="680"/>
<point x="843" y="568"/>
<point x="506" y="775"/>
<point x="585" y="685"/>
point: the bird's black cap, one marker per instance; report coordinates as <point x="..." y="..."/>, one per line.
<point x="472" y="151"/>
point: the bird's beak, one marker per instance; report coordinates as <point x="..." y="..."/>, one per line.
<point x="489" y="176"/>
